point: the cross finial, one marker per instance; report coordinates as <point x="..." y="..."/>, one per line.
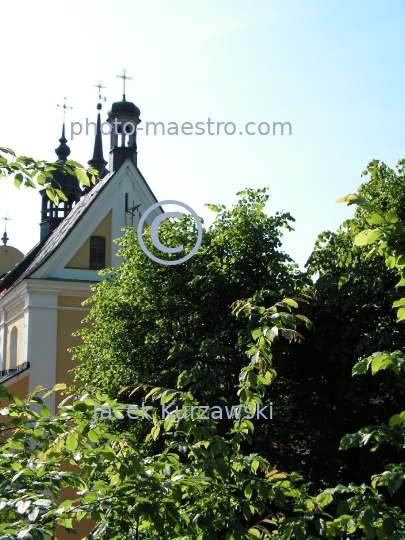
<point x="64" y="106"/>
<point x="5" y="219"/>
<point x="124" y="77"/>
<point x="100" y="97"/>
<point x="4" y="237"/>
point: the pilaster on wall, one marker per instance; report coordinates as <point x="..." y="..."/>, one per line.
<point x="41" y="322"/>
<point x="2" y="338"/>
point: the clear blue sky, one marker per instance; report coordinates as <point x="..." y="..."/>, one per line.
<point x="334" y="69"/>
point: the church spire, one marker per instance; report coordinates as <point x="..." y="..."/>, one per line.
<point x="63" y="150"/>
<point x="97" y="161"/>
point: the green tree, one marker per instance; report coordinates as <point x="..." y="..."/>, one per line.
<point x="375" y="509"/>
<point x="202" y="485"/>
<point x="152" y="322"/>
<point x="352" y="312"/>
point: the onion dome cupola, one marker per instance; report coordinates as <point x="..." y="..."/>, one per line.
<point x="52" y="215"/>
<point x="123" y="118"/>
<point x="9" y="256"/>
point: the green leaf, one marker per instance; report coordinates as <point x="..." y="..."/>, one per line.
<point x="323" y="500"/>
<point x="7" y="151"/>
<point x="349" y="199"/>
<point x="391" y="216"/>
<point x="61" y="195"/>
<point x="399" y="303"/>
<point x="343" y="508"/>
<point x="299" y="535"/>
<point x="45" y="411"/>
<point x="93" y="436"/>
<point x="361" y="367"/>
<point x="369" y="236"/>
<point x="380" y="362"/>
<point x="401" y="314"/>
<point x="74" y="163"/>
<point x="29" y="183"/>
<point x="256" y="333"/>
<point x="90" y="497"/>
<point x="51" y="194"/>
<point x="395" y="482"/>
<point x="320" y="526"/>
<point x="18" y="178"/>
<point x="389" y="525"/>
<point x="82" y="177"/>
<point x="375" y="219"/>
<point x="41" y="179"/>
<point x="397" y="419"/>
<point x="72" y="442"/>
<point x="290" y="302"/>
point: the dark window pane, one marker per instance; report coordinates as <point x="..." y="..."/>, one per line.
<point x="97" y="252"/>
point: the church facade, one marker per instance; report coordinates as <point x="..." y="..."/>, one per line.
<point x="41" y="296"/>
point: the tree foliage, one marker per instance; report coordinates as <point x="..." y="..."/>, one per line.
<point x="351" y="308"/>
<point x="203" y="484"/>
<point x="206" y="333"/>
<point x="32" y="173"/>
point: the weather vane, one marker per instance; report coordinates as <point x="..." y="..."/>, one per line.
<point x="64" y="106"/>
<point x="132" y="210"/>
<point x="100" y="97"/>
<point x="124" y="77"/>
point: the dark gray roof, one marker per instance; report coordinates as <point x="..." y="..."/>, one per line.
<point x="65" y="228"/>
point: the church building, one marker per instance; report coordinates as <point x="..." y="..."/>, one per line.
<point x="41" y="294"/>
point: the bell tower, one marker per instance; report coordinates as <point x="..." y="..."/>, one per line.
<point x="123" y="118"/>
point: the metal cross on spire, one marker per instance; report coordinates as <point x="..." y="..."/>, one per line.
<point x="124" y="77"/>
<point x="5" y="219"/>
<point x="4" y="237"/>
<point x="64" y="106"/>
<point x="100" y="97"/>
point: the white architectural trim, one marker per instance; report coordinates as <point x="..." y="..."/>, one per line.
<point x="42" y="342"/>
<point x="2" y="338"/>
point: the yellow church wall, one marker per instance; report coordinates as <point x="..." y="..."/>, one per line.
<point x="71" y="301"/>
<point x="69" y="321"/>
<point x="19" y="387"/>
<point x="81" y="259"/>
<point x="82" y="527"/>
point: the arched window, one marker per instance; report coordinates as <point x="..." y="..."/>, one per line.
<point x="97" y="252"/>
<point x="13" y="348"/>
